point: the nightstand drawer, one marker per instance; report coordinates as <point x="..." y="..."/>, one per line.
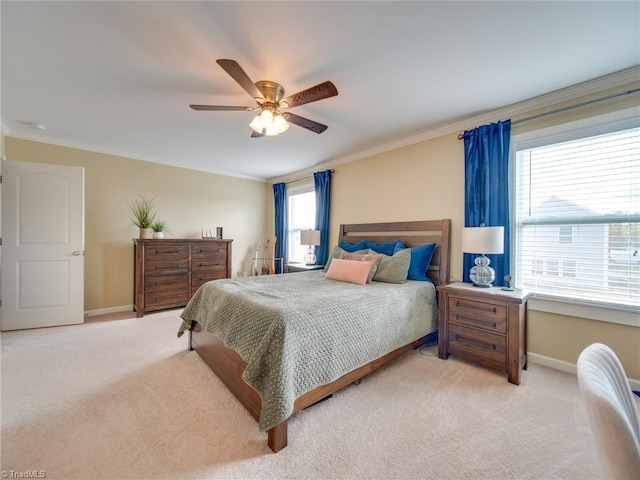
<point x="486" y="316"/>
<point x="470" y="342"/>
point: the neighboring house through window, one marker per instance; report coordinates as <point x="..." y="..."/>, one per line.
<point x="577" y="211"/>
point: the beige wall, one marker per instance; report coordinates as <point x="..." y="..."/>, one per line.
<point x="426" y="181"/>
<point x="188" y="200"/>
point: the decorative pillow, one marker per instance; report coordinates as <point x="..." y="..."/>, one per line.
<point x="347" y="247"/>
<point x="420" y="260"/>
<point x="388" y="248"/>
<point x="393" y="269"/>
<point x="336" y="254"/>
<point x="374" y="259"/>
<point x="351" y="271"/>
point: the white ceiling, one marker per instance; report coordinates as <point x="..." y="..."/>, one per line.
<point x="117" y="77"/>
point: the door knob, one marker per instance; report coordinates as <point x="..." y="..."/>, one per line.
<point x="76" y="253"/>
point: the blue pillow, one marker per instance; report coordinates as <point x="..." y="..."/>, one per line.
<point x="347" y="247"/>
<point x="420" y="259"/>
<point x="388" y="248"/>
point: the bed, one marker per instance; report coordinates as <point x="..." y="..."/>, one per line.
<point x="298" y="338"/>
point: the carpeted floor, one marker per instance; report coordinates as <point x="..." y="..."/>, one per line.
<point x="121" y="397"/>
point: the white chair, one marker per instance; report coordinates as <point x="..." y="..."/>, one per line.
<point x="612" y="411"/>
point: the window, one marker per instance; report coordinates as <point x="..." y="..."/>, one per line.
<point x="565" y="234"/>
<point x="577" y="211"/>
<point x="301" y="214"/>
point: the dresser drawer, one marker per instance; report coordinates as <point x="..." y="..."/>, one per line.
<point x="206" y="251"/>
<point x="166" y="299"/>
<point x="166" y="252"/>
<point x="211" y="263"/>
<point x="475" y="343"/>
<point x="486" y="316"/>
<point x="167" y="267"/>
<point x="161" y="283"/>
<point x="198" y="279"/>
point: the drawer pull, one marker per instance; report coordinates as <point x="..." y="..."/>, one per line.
<point x="165" y="282"/>
<point x="470" y="342"/>
<point x="158" y="297"/>
<point x="475" y="320"/>
<point x="478" y="307"/>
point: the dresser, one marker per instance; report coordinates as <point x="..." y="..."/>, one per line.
<point x="167" y="272"/>
<point x="484" y="325"/>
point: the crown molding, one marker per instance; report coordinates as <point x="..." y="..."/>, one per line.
<point x="580" y="90"/>
<point x="36" y="137"/>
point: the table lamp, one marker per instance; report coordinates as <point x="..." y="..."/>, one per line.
<point x="482" y="240"/>
<point x="310" y="238"/>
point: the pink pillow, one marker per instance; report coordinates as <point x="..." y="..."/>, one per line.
<point x="374" y="259"/>
<point x="352" y="271"/>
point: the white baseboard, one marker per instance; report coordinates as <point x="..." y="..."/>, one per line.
<point x="567" y="367"/>
<point x="102" y="311"/>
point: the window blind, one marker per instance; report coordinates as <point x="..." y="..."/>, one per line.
<point x="578" y="218"/>
<point x="301" y="216"/>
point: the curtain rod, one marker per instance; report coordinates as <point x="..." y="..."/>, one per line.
<point x="570" y="107"/>
<point x="303" y="178"/>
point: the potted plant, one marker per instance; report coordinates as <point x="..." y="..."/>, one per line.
<point x="159" y="227"/>
<point x="144" y="214"/>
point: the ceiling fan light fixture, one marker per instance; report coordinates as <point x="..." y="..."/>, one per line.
<point x="266" y="118"/>
<point x="256" y="125"/>
<point x="280" y="125"/>
<point x="277" y="124"/>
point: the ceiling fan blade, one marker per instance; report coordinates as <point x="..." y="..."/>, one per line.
<point x="310" y="125"/>
<point x="255" y="134"/>
<point x="313" y="94"/>
<point x="239" y="75"/>
<point x="219" y="107"/>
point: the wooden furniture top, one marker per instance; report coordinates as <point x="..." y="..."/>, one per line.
<point x="180" y="240"/>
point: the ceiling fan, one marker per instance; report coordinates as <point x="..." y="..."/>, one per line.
<point x="271" y="119"/>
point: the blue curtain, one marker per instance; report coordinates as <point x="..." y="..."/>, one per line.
<point x="486" y="174"/>
<point x="322" y="183"/>
<point x="280" y="202"/>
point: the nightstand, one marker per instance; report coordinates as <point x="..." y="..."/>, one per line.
<point x="301" y="267"/>
<point x="484" y="325"/>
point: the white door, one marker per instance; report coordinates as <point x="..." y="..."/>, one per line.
<point x="42" y="245"/>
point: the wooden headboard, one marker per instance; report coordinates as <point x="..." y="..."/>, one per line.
<point x="412" y="234"/>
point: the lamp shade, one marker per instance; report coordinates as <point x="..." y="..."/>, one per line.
<point x="310" y="237"/>
<point x="483" y="240"/>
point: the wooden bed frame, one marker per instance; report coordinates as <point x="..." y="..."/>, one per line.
<point x="228" y="365"/>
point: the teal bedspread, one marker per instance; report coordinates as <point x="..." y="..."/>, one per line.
<point x="299" y="331"/>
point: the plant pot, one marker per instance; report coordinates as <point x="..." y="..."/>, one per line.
<point x="146" y="233"/>
<point x="158" y="234"/>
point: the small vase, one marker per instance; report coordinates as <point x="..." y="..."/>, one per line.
<point x="158" y="234"/>
<point x="146" y="233"/>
